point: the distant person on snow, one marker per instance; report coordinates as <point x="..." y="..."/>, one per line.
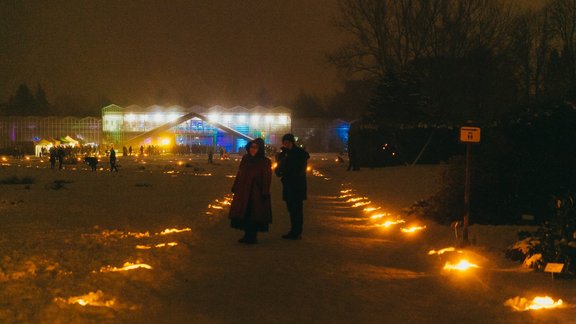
<point x="251" y="209"/>
<point x="292" y="164"/>
<point x="113" y="160"/>
<point x="53" y="154"/>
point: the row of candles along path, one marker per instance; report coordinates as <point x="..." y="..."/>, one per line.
<point x="375" y="213"/>
<point x="98" y="299"/>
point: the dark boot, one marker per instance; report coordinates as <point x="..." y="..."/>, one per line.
<point x="249" y="238"/>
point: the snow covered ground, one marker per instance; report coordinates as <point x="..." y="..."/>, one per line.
<point x="152" y="244"/>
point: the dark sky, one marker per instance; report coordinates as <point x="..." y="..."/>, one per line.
<point x="210" y="51"/>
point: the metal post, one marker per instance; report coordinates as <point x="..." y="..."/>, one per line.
<point x="466" y="196"/>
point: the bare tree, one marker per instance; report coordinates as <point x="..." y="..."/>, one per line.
<point x="530" y="46"/>
<point x="563" y="16"/>
<point x="390" y="34"/>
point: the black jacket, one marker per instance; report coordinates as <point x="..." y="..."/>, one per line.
<point x="291" y="167"/>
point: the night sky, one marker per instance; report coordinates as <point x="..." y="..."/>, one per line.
<point x="202" y="51"/>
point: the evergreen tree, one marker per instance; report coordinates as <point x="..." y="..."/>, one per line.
<point x="41" y="106"/>
<point x="396" y="100"/>
<point x="22" y="103"/>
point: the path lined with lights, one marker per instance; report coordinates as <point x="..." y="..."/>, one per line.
<point x="458" y="263"/>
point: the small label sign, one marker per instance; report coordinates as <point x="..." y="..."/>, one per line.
<point x="470" y="134"/>
<point x="554" y="267"/>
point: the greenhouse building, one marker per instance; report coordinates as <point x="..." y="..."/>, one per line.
<point x="227" y="128"/>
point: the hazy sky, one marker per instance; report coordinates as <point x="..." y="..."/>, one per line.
<point x="211" y="51"/>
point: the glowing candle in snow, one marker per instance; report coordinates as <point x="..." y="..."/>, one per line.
<point x="126" y="267"/>
<point x="90" y="299"/>
<point x="442" y="251"/>
<point x="523" y="304"/>
<point x="362" y="203"/>
<point x="378" y="216"/>
<point x="371" y="209"/>
<point x="463" y="265"/>
<point x="175" y="230"/>
<point x="390" y="223"/>
<point x="413" y="229"/>
<point x="166" y="244"/>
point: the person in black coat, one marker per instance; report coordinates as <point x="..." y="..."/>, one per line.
<point x="292" y="163"/>
<point x="113" y="160"/>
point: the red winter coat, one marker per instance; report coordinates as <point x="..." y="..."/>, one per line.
<point x="252" y="190"/>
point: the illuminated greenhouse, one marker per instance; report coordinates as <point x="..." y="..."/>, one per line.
<point x="228" y="128"/>
<point x="27" y="132"/>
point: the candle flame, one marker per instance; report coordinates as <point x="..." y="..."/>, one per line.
<point x="346" y="191"/>
<point x="390" y="223"/>
<point x="413" y="229"/>
<point x="463" y="265"/>
<point x="160" y="245"/>
<point x="442" y="251"/>
<point x="356" y="199"/>
<point x="91" y="299"/>
<point x="362" y="203"/>
<point x="378" y="216"/>
<point x="371" y="209"/>
<point x="175" y="230"/>
<point x="523" y="304"/>
<point x="126" y="267"/>
<point x="166" y="244"/>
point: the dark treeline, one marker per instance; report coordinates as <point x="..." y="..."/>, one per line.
<point x="28" y="102"/>
<point x="446" y="61"/>
<point x="434" y="65"/>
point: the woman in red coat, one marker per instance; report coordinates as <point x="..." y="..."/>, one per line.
<point x="251" y="210"/>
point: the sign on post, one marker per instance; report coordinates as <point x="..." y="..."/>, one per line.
<point x="554" y="268"/>
<point x="470" y="134"/>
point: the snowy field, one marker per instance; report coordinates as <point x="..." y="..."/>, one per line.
<point x="151" y="244"/>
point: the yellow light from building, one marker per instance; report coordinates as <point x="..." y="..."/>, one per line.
<point x="130" y="117"/>
<point x="283" y="119"/>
